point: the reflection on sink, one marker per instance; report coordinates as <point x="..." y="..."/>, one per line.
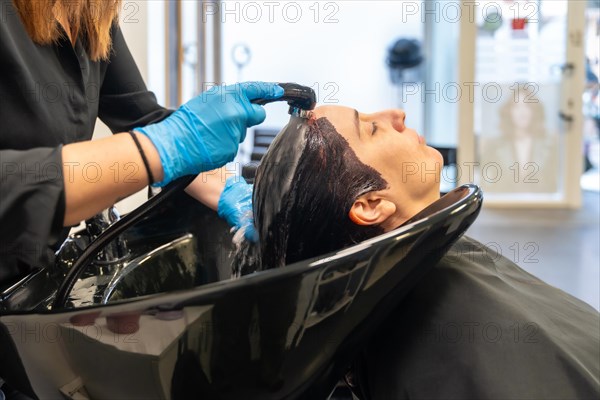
<point x="172" y="266"/>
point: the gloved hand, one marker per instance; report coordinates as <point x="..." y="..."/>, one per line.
<point x="204" y="134"/>
<point x="235" y="206"/>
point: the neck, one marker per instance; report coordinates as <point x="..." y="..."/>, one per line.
<point x="404" y="213"/>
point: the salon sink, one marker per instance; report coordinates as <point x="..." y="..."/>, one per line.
<point x="169" y="322"/>
<point x="172" y="266"/>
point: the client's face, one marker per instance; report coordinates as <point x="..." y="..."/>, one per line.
<point x="345" y="177"/>
<point x="382" y="141"/>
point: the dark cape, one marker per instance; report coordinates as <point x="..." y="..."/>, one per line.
<point x="479" y="327"/>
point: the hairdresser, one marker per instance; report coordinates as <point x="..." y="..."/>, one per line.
<point x="57" y="75"/>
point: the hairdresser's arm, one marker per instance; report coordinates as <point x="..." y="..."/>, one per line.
<point x="208" y="186"/>
<point x="229" y="195"/>
<point x="97" y="174"/>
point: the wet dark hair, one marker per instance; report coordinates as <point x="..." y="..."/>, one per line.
<point x="311" y="218"/>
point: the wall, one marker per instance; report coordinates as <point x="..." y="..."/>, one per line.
<point x="338" y="47"/>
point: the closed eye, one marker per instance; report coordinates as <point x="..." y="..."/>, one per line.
<point x="374" y="128"/>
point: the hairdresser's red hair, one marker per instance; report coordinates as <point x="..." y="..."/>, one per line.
<point x="93" y="19"/>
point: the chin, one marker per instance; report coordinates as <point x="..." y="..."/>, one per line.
<point x="436" y="155"/>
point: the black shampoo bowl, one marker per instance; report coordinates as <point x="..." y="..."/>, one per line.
<point x="167" y="322"/>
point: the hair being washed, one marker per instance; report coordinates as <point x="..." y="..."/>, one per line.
<point x="93" y="19"/>
<point x="313" y="219"/>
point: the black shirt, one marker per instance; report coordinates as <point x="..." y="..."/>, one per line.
<point x="50" y="96"/>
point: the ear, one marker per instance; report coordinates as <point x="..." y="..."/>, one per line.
<point x="371" y="209"/>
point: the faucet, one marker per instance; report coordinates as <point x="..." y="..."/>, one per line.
<point x="76" y="243"/>
<point x="117" y="249"/>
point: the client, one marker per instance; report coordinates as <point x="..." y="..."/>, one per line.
<point x="357" y="176"/>
<point x="477" y="326"/>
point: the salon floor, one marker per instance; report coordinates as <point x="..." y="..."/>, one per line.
<point x="560" y="247"/>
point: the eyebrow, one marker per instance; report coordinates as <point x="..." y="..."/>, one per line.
<point x="356" y="122"/>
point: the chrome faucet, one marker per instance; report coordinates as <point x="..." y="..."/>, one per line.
<point x="117" y="249"/>
<point x="76" y="243"/>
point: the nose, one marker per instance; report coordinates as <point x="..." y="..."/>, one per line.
<point x="395" y="117"/>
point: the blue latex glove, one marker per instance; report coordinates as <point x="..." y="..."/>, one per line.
<point x="204" y="134"/>
<point x="235" y="206"/>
